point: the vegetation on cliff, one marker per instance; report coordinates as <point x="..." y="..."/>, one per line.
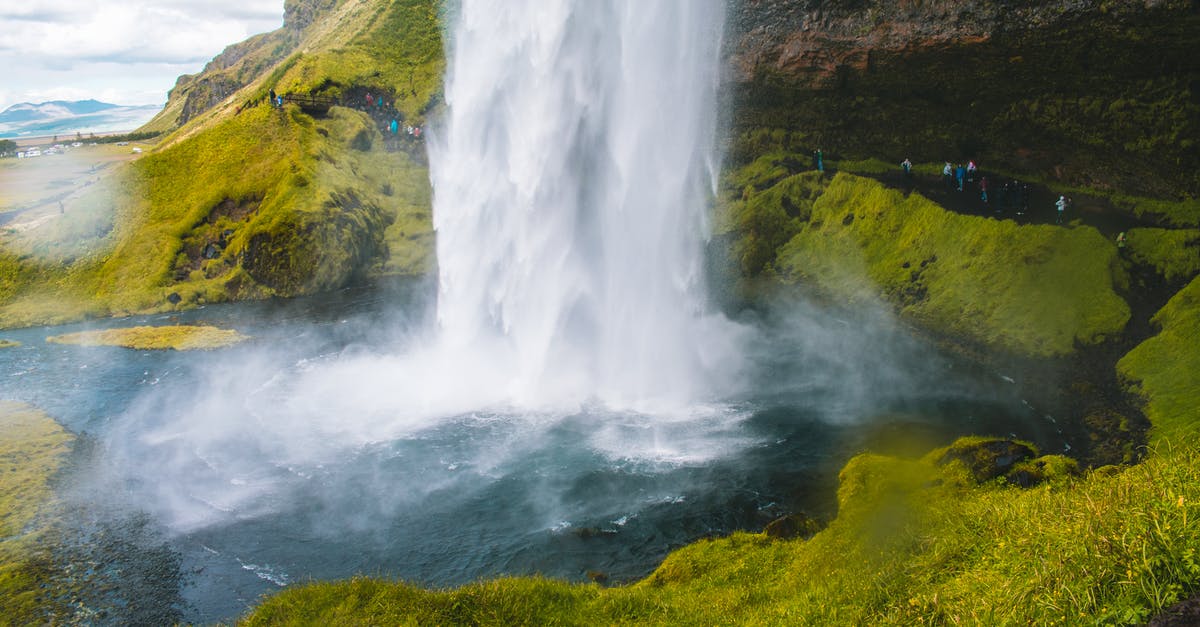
<point x="247" y="200"/>
<point x="1030" y="289"/>
<point x="1165" y="369"/>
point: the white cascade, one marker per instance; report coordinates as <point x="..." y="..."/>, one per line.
<point x="573" y="177"/>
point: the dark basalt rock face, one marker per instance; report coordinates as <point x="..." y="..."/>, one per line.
<point x="1185" y="613"/>
<point x="313" y="252"/>
<point x="1082" y="91"/>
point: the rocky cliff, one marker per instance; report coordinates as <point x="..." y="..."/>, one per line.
<point x="1088" y="92"/>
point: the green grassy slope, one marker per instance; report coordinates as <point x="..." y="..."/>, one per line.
<point x="1033" y="289"/>
<point x="246" y="200"/>
<point x="1165" y="369"/>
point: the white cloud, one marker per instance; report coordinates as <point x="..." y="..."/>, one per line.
<point x="122" y="51"/>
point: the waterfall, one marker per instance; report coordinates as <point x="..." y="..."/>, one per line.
<point x="573" y="176"/>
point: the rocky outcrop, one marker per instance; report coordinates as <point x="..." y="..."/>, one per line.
<point x="240" y="64"/>
<point x="299" y="14"/>
<point x="810" y="41"/>
<point x="1087" y="92"/>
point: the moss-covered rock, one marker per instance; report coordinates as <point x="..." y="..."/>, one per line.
<point x="1036" y="290"/>
<point x="987" y="458"/>
<point x="1173" y="253"/>
<point x="1165" y="369"/>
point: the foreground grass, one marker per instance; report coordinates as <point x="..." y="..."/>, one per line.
<point x="180" y="338"/>
<point x="32" y="449"/>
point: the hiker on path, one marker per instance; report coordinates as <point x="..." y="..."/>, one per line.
<point x="394" y="126"/>
<point x="820" y="161"/>
<point x="960" y="173"/>
<point x="1062" y="206"/>
<point x="971" y="171"/>
<point x="272" y="96"/>
<point x="983" y="189"/>
<point x="906" y="165"/>
<point x="1121" y="239"/>
<point x="948" y="175"/>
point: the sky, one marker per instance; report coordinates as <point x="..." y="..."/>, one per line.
<point x="126" y="52"/>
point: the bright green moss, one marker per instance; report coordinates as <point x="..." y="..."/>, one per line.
<point x="1174" y="254"/>
<point x="285" y="204"/>
<point x="1037" y="290"/>
<point x="764" y="221"/>
<point x="1165" y="369"/>
<point x="9" y="343"/>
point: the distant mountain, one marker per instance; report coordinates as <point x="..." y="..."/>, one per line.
<point x="61" y="117"/>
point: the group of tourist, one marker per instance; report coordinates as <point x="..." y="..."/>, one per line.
<point x="377" y="107"/>
<point x="1012" y="195"/>
<point x="380" y="108"/>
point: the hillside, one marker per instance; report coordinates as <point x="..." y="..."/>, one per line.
<point x="241" y="199"/>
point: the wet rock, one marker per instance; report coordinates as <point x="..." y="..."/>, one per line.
<point x="792" y="526"/>
<point x="1183" y="614"/>
<point x="174" y="298"/>
<point x="593" y="532"/>
<point x="987" y="459"/>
